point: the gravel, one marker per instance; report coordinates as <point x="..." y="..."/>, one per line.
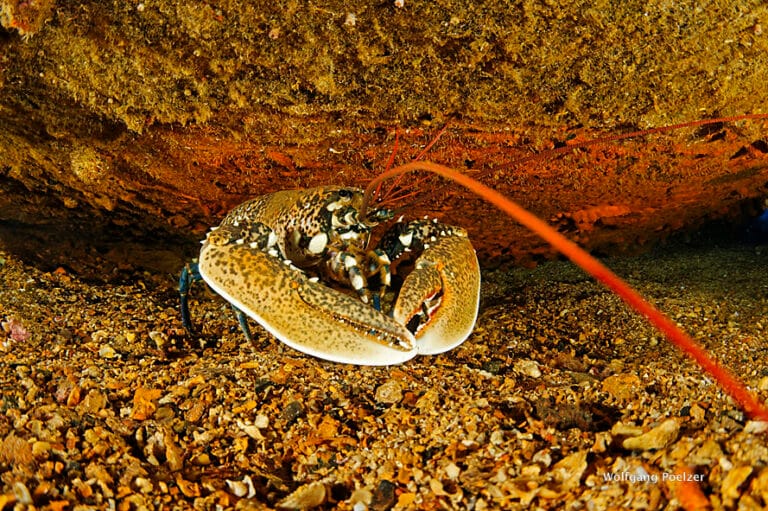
<point x="561" y="399"/>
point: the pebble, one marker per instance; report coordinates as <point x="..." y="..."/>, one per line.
<point x="108" y="352"/>
<point x="622" y="386"/>
<point x="242" y="488"/>
<point x="94" y="401"/>
<point x="452" y="471"/>
<point x="657" y="438"/>
<point x="730" y="489"/>
<point x="384" y="496"/>
<point x="159" y="338"/>
<point x="40" y="449"/>
<point x="389" y="392"/>
<point x="361" y="498"/>
<point x="251" y="430"/>
<point x="528" y="367"/>
<point x="568" y="471"/>
<point x="261" y="421"/>
<point x="756" y="427"/>
<point x="202" y="459"/>
<point x="307" y="496"/>
<point x="21" y="493"/>
<point x="143" y="484"/>
<point x="706" y="454"/>
<point x="292" y="411"/>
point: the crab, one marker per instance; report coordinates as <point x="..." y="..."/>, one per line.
<point x="299" y="262"/>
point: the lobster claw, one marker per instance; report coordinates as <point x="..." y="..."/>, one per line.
<point x="440" y="298"/>
<point x="304" y="314"/>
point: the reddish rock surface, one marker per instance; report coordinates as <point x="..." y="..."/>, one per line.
<point x="126" y="131"/>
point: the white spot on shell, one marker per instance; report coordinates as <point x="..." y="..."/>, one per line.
<point x="406" y="239"/>
<point x="240" y="241"/>
<point x="357" y="282"/>
<point x="317" y="243"/>
<point x="350" y="262"/>
<point x="271" y="239"/>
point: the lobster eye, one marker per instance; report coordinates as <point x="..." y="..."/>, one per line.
<point x="345" y="194"/>
<point x="381" y="215"/>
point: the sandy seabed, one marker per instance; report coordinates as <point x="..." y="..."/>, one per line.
<point x="561" y="399"/>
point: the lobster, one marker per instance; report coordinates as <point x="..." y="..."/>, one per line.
<point x="277" y="257"/>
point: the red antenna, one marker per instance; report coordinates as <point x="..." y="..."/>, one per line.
<point x="391" y="195"/>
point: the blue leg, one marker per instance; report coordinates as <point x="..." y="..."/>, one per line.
<point x="189" y="274"/>
<point x="243" y="320"/>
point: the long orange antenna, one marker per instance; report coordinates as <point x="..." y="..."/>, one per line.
<point x="683" y="341"/>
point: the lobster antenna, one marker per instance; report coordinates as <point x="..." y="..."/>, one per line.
<point x="735" y="388"/>
<point x="393" y="195"/>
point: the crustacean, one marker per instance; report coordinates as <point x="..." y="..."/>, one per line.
<point x="273" y="257"/>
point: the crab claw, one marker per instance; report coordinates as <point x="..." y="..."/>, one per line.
<point x="440" y="298"/>
<point x="304" y="314"/>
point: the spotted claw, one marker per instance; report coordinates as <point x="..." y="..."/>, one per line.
<point x="306" y="315"/>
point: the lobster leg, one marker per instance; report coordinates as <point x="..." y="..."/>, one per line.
<point x="242" y="320"/>
<point x="190" y="274"/>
